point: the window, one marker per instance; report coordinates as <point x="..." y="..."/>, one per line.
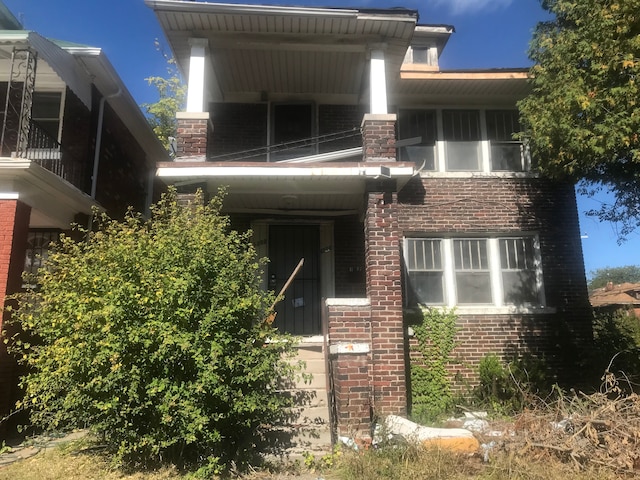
<point x="38" y="242"/>
<point x="292" y="125"/>
<point x="456" y="140"/>
<point x="420" y="126"/>
<point x="424" y="267"/>
<point x="506" y="153"/>
<point x="472" y="276"/>
<point x="461" y="130"/>
<point x="496" y="271"/>
<point x="45" y="112"/>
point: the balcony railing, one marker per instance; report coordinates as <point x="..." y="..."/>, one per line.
<point x="43" y="149"/>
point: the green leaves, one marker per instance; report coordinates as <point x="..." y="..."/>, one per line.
<point x="582" y="116"/>
<point x="151" y="333"/>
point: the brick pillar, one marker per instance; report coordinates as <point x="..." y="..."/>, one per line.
<point x="349" y="329"/>
<point x="379" y="137"/>
<point x="193" y="133"/>
<point x="383" y="273"/>
<point x="14" y="226"/>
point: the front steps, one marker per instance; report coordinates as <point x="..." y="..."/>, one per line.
<point x="308" y="428"/>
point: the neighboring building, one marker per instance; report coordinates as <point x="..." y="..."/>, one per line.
<point x="341" y="141"/>
<point x="71" y="138"/>
<point x="625" y="296"/>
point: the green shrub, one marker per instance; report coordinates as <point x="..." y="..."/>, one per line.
<point x="508" y="387"/>
<point x="617" y="343"/>
<point x="151" y="333"/>
<point x="435" y="331"/>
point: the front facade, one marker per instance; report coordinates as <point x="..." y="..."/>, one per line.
<point x="340" y="140"/>
<point x="71" y="138"/>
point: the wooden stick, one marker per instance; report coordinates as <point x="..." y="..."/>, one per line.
<point x="288" y="282"/>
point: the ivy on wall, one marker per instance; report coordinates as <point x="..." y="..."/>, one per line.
<point x="435" y="331"/>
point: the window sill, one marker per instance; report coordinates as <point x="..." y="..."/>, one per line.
<point x="429" y="174"/>
<point x="492" y="310"/>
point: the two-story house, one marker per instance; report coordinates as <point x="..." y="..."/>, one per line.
<point x="71" y="138"/>
<point x="341" y="141"/>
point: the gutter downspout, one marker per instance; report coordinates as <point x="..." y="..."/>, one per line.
<point x="96" y="156"/>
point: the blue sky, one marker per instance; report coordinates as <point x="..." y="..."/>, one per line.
<point x="489" y="33"/>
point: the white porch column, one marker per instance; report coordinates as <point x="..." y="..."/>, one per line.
<point x="378" y="83"/>
<point x="195" y="90"/>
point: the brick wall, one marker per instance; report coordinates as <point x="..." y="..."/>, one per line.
<point x="238" y="127"/>
<point x="503" y="205"/>
<point x="379" y="137"/>
<point x="349" y="257"/>
<point x="14" y="226"/>
<point x="339" y="118"/>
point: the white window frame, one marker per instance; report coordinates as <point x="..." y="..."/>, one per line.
<point x="495" y="274"/>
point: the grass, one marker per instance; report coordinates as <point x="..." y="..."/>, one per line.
<point x="77" y="460"/>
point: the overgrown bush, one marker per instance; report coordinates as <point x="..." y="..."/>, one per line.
<point x="435" y="331"/>
<point x="617" y="343"/>
<point x="507" y="387"/>
<point x="152" y="334"/>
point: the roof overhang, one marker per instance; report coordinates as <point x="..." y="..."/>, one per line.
<point x="259" y="52"/>
<point x="54" y="202"/>
<point x="285" y="188"/>
<point x="473" y="86"/>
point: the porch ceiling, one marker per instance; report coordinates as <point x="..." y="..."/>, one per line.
<point x="280" y="52"/>
<point x="441" y="87"/>
<point x="318" y="189"/>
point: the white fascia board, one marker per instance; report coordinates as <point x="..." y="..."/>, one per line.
<point x="365" y="171"/>
<point x="65" y="66"/>
<point x="243" y="9"/>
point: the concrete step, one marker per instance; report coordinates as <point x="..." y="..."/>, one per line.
<point x="315" y="366"/>
<point x="312" y="416"/>
<point x="310" y="351"/>
<point x="315" y="381"/>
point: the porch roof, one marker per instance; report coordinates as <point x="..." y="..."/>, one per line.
<point x="286" y="188"/>
<point x="54" y="202"/>
<point x="259" y="51"/>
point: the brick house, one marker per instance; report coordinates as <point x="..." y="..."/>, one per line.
<point x="72" y="138"/>
<point x="341" y="141"/>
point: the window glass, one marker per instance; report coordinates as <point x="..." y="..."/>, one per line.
<point x="45" y="112"/>
<point x="517" y="262"/>
<point x="506" y="153"/>
<point x="420" y="124"/>
<point x="423" y="259"/>
<point x="462" y="133"/>
<point x="473" y="278"/>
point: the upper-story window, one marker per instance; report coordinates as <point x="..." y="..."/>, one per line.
<point x="462" y="140"/>
<point x="46" y="112"/>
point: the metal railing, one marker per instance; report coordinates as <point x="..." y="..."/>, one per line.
<point x="43" y="149"/>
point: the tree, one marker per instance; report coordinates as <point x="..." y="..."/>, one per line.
<point x="171" y="97"/>
<point x="582" y="117"/>
<point x="616" y="275"/>
<point x="152" y="334"/>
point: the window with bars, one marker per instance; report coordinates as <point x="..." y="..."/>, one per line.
<point x="472" y="274"/>
<point x="461" y="130"/>
<point x="424" y="268"/>
<point x="38" y="243"/>
<point x="506" y="153"/>
<point x="496" y="271"/>
<point x="420" y="125"/>
<point x="462" y="135"/>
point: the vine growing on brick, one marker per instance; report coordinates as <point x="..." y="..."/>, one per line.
<point x="435" y="332"/>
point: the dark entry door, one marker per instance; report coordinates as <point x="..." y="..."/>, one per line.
<point x="299" y="312"/>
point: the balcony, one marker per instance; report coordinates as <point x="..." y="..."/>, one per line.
<point x="44" y="150"/>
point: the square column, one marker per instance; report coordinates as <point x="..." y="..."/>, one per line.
<point x="195" y="87"/>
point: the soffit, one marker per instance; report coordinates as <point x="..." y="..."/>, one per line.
<point x="471" y="87"/>
<point x="258" y="50"/>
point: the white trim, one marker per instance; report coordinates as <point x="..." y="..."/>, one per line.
<point x="377" y="83"/>
<point x="9" y="196"/>
<point x="491" y="310"/>
<point x="269" y="170"/>
<point x="347" y="302"/>
<point x="349" y="348"/>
